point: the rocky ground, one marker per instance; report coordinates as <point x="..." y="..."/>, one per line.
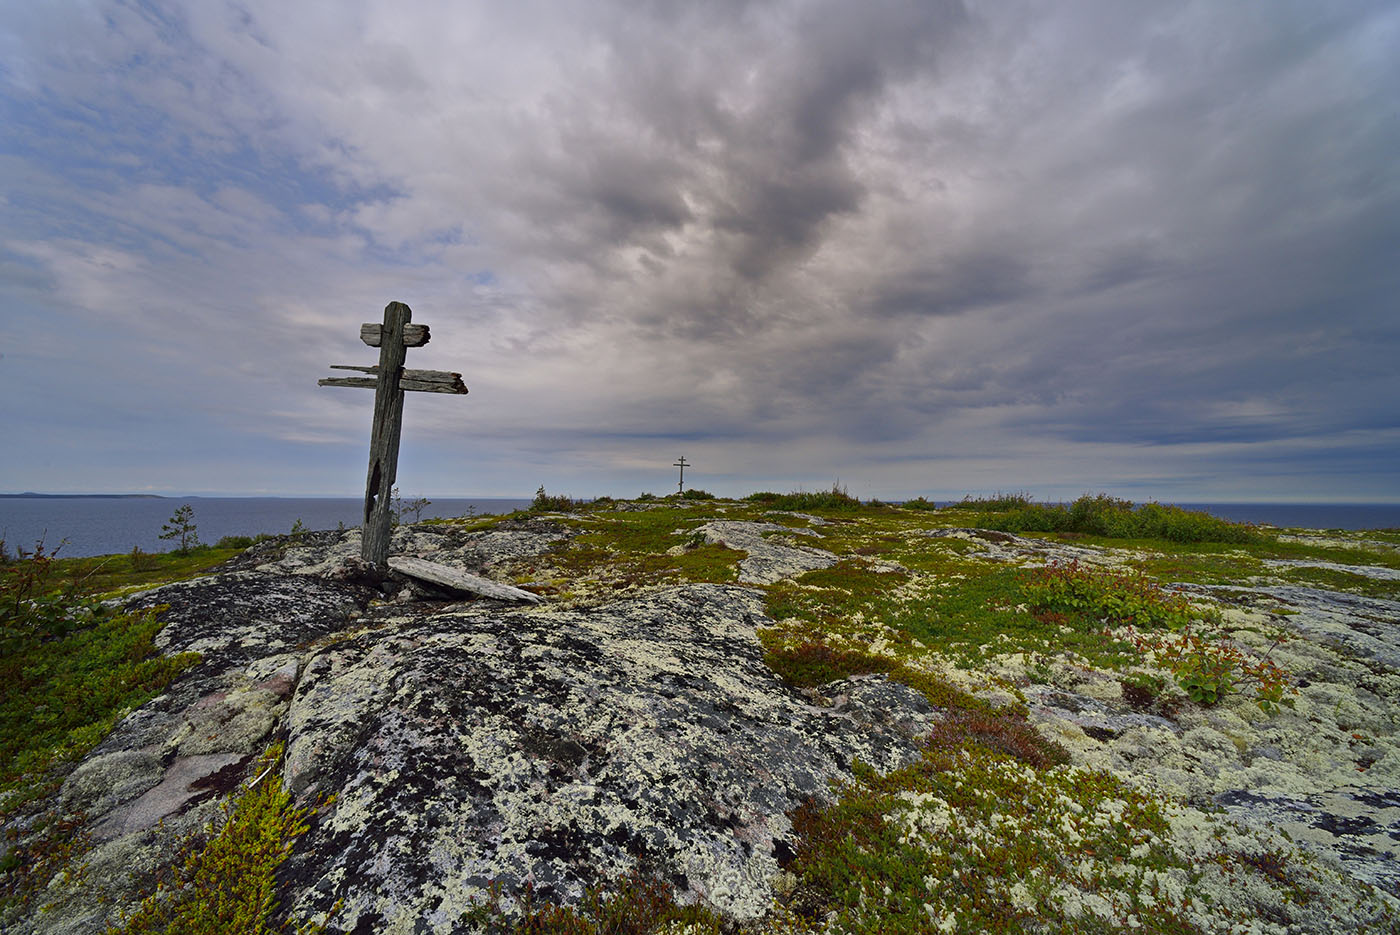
<point x="636" y="720"/>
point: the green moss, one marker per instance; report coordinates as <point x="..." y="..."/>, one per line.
<point x="225" y="878"/>
<point x="63" y="695"/>
<point x="108" y="574"/>
<point x="620" y="550"/>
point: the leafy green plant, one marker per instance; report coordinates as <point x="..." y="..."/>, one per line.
<point x="1209" y="668"/>
<point x="36" y="602"/>
<point x="1142" y="689"/>
<point x="1093" y="595"/>
<point x="181" y="526"/>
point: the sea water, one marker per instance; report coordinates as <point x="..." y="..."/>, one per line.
<point x="101" y="526"/>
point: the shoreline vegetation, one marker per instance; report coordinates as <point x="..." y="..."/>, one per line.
<point x="999" y="828"/>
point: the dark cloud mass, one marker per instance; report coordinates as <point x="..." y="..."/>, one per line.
<point x="928" y="247"/>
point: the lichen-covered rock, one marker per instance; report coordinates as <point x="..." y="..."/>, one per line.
<point x="167" y="767"/>
<point x="769" y="560"/>
<point x="562" y="748"/>
<point x="325" y="554"/>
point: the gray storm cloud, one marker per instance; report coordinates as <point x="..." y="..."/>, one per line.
<point x="877" y="233"/>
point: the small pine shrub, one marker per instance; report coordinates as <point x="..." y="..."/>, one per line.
<point x="181" y="527"/>
<point x="544" y="503"/>
<point x="143" y="561"/>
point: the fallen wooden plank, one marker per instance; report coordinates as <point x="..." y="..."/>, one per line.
<point x="454" y="580"/>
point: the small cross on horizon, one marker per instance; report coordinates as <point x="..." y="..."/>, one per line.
<point x="680" y="488"/>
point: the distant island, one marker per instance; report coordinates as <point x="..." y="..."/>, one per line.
<point x="30" y="495"/>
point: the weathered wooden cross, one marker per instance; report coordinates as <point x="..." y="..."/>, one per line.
<point x="389" y="381"/>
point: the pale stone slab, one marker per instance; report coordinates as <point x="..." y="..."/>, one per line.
<point x="451" y="578"/>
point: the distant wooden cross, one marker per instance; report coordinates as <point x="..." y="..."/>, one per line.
<point x="389" y="380"/>
<point x="680" y="488"/>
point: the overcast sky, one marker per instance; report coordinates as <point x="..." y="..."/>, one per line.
<point x="933" y="248"/>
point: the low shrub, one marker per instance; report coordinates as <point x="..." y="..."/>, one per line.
<point x="70" y="667"/>
<point x="1103" y="515"/>
<point x="834" y="499"/>
<point x="996" y="503"/>
<point x="813" y="663"/>
<point x="919" y="503"/>
<point x="969" y="839"/>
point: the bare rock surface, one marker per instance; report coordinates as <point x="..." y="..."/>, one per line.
<point x="1365" y="627"/>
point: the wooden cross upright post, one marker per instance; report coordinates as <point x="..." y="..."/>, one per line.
<point x="389" y="381"/>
